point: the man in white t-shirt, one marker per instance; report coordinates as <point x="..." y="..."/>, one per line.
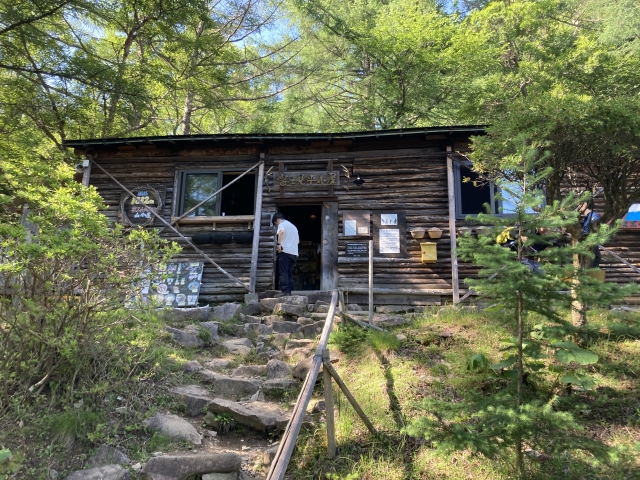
<point x="287" y="247"/>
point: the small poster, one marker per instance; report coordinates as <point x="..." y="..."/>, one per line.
<point x="176" y="284"/>
<point x="350" y="228"/>
<point x="363" y="230"/>
<point x="389" y="240"/>
<point x="389" y="219"/>
<point x="136" y="210"/>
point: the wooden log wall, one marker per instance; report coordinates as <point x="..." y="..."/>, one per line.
<point x="132" y="169"/>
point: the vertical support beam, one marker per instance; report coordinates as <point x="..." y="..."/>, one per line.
<point x="329" y="278"/>
<point x="281" y="169"/>
<point x="257" y="224"/>
<point x="370" y="282"/>
<point x="330" y="168"/>
<point x="86" y="173"/>
<point x="328" y="403"/>
<point x="451" y="186"/>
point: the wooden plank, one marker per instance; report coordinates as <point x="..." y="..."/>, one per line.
<point x="329" y="410"/>
<point x="452" y="227"/>
<point x="256" y="230"/>
<point x="329" y="266"/>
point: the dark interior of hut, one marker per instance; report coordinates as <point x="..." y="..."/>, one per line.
<point x="308" y="221"/>
<point x="239" y="198"/>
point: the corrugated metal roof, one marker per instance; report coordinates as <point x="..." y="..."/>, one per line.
<point x="244" y="137"/>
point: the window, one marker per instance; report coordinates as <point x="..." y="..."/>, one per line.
<point x="471" y="196"/>
<point x="196" y="185"/>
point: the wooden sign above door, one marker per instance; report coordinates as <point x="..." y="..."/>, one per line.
<point x="307" y="179"/>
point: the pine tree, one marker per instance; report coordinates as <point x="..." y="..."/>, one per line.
<point x="534" y="276"/>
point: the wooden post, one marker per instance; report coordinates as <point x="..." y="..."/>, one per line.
<point x="370" y="282"/>
<point x="86" y="174"/>
<point x="257" y="225"/>
<point x="328" y="402"/>
<point x="329" y="368"/>
<point x="341" y="304"/>
<point x="452" y="226"/>
<point x="329" y="260"/>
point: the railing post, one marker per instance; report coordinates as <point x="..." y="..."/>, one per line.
<point x="328" y="402"/>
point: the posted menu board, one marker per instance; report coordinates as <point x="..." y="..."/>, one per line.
<point x="356" y="223"/>
<point x="175" y="284"/>
<point x="389" y="233"/>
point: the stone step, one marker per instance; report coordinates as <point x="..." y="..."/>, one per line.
<point x="235" y="388"/>
<point x="261" y="416"/>
<point x="179" y="467"/>
<point x="195" y="397"/>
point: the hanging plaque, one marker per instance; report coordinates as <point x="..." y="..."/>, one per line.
<point x="136" y="210"/>
<point x="307" y="179"/>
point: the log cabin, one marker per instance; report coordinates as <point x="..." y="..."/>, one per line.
<point x="341" y="190"/>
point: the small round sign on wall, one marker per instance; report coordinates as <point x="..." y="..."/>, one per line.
<point x="136" y="210"/>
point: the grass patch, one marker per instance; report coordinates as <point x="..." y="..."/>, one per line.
<point x="393" y="381"/>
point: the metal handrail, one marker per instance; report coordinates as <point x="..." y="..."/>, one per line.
<point x="288" y="442"/>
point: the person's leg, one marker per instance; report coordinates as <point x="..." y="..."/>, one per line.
<point x="283" y="264"/>
<point x="292" y="265"/>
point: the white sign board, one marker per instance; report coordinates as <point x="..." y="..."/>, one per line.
<point x="389" y="240"/>
<point x="389" y="219"/>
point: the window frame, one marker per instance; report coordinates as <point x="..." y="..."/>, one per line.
<point x="180" y="184"/>
<point x="496" y="205"/>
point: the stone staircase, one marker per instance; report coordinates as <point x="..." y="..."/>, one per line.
<point x="237" y="402"/>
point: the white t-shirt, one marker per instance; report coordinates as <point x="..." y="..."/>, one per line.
<point x="289" y="241"/>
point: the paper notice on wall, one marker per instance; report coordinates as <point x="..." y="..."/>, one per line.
<point x="349" y="228"/>
<point x="363" y="230"/>
<point x="388" y="219"/>
<point x="389" y="240"/>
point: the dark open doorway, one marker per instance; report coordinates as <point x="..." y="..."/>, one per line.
<point x="308" y="221"/>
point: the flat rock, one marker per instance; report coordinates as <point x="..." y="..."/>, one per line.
<point x="277" y="369"/>
<point x="302" y="368"/>
<point x="278" y="339"/>
<point x="226" y="312"/>
<point x="212" y="327"/>
<point x="354" y="307"/>
<point x="288" y="309"/>
<point x="179" y="467"/>
<point x="250" y="371"/>
<point x="218" y="364"/>
<point x="270" y="319"/>
<point x="321" y="308"/>
<point x="107" y="455"/>
<point x="268" y="455"/>
<point x="259" y="328"/>
<point x="249" y="319"/>
<point x="394" y="309"/>
<point x="305" y="321"/>
<point x="230" y="387"/>
<point x="195" y="397"/>
<point x="182" y="316"/>
<point x="192" y="366"/>
<point x="254" y="307"/>
<point x="270" y="294"/>
<point x="174" y="427"/>
<point x="300" y="343"/>
<point x="269" y="303"/>
<point x="238" y="346"/>
<point x="258" y="415"/>
<point x="317" y="316"/>
<point x="299" y="353"/>
<point x="220" y="476"/>
<point x="285" y="327"/>
<point x="300" y="300"/>
<point x="105" y="472"/>
<point x="278" y="386"/>
<point x="185" y="339"/>
<point x="311" y="331"/>
<point x="282" y="421"/>
<point x="389" y="320"/>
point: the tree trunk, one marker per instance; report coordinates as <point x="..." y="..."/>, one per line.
<point x="578" y="309"/>
<point x="519" y="363"/>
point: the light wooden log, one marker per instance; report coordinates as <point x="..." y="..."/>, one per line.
<point x="285" y="449"/>
<point x="329" y="368"/>
<point x="328" y="403"/>
<point x="452" y="226"/>
<point x="370" y="282"/>
<point x="256" y="230"/>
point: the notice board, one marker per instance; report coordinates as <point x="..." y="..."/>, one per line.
<point x="390" y="233"/>
<point x="356" y="223"/>
<point x="175" y="284"/>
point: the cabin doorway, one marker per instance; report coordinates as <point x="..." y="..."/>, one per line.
<point x="307" y="274"/>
